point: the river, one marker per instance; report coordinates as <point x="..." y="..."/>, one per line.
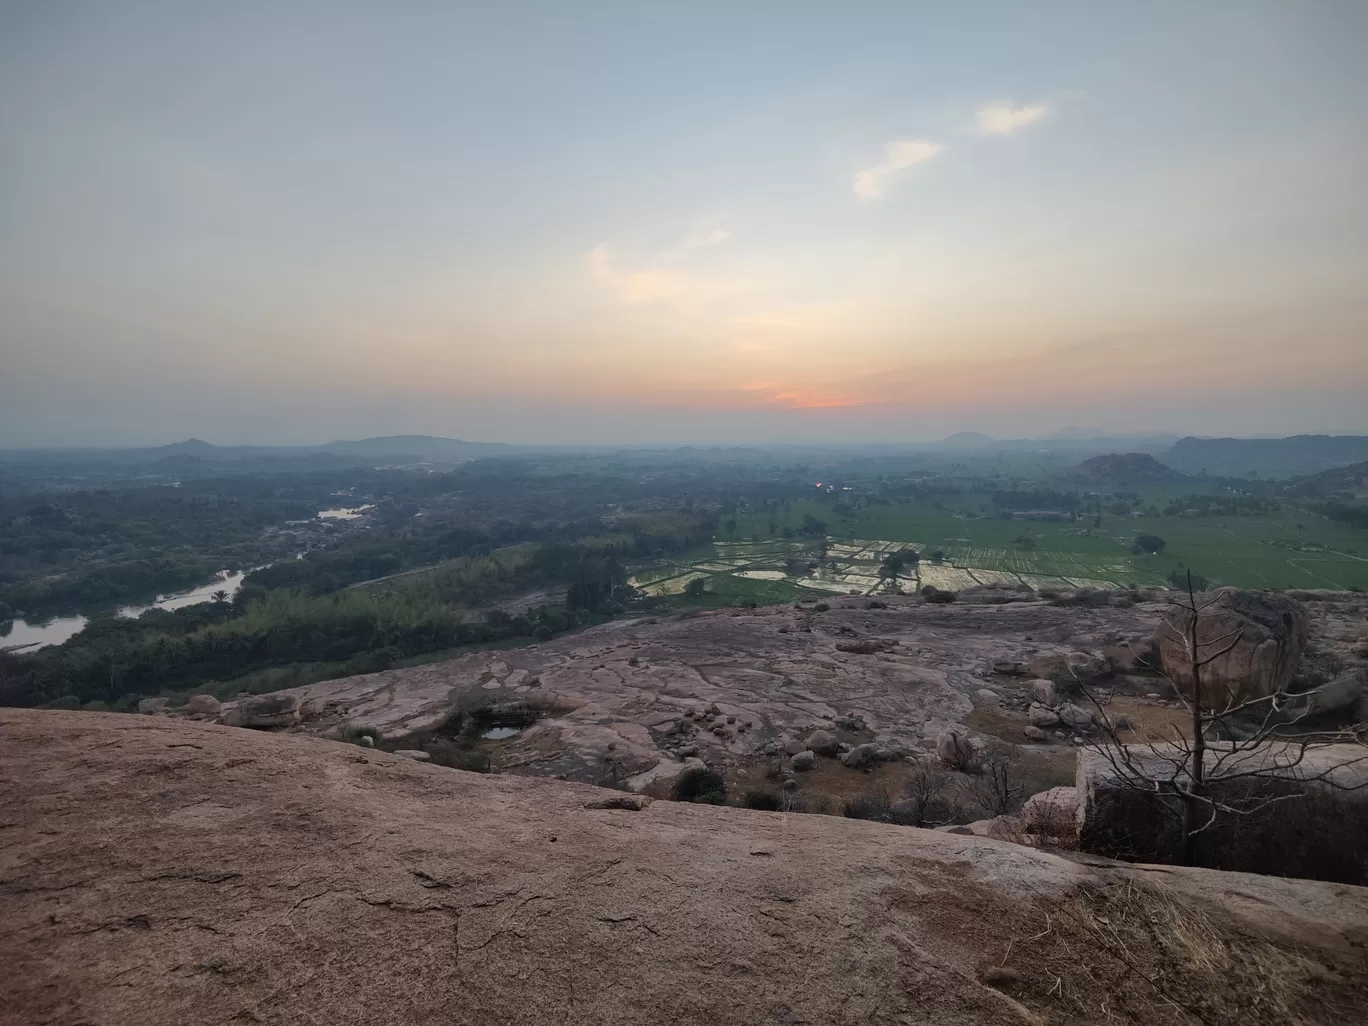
<point x="31" y="636"/>
<point x="28" y="636"/>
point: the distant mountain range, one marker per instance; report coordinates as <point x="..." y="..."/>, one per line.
<point x="1299" y="454"/>
<point x="397" y="448"/>
<point x="1073" y="439"/>
<point x="1215" y="457"/>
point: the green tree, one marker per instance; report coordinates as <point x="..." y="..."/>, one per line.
<point x="1148" y="544"/>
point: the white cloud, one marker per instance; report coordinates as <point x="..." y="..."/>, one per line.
<point x="1006" y="119"/>
<point x="699" y="238"/>
<point x="644" y="286"/>
<point x="898" y="155"/>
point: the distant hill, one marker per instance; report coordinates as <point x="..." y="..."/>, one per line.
<point x="1124" y="468"/>
<point x="1278" y="457"/>
<point x="1351" y="480"/>
<point x="425" y="446"/>
<point x="966" y="440"/>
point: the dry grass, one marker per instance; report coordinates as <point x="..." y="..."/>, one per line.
<point x="1136" y="953"/>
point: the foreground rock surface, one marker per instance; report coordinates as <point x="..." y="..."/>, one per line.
<point x="156" y="871"/>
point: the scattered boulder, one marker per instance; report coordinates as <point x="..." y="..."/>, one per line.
<point x="803" y="761"/>
<point x="794" y="746"/>
<point x="262" y="711"/>
<point x="956" y="750"/>
<point x="203" y="705"/>
<point x="852" y="723"/>
<point x="1347" y="692"/>
<point x="153" y="706"/>
<point x="311" y="709"/>
<point x="1075" y="716"/>
<point x="1008" y="667"/>
<point x="1053" y="813"/>
<point x="1268" y="631"/>
<point x="987" y="696"/>
<point x="416" y="754"/>
<point x="1044" y="692"/>
<point x="862" y="756"/>
<point x="1040" y="716"/>
<point x="823" y="742"/>
<point x="1035" y="734"/>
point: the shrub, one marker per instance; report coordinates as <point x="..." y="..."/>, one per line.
<point x="874" y="805"/>
<point x="765" y="801"/>
<point x="821" y="607"/>
<point x="65" y="702"/>
<point x="940" y="598"/>
<point x="353" y="733"/>
<point x="702" y="786"/>
<point x="542" y="633"/>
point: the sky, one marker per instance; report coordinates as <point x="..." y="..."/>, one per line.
<point x="625" y="222"/>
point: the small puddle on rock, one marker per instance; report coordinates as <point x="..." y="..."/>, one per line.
<point x="500" y="733"/>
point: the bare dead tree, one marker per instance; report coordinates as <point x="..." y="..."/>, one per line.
<point x="1270" y="761"/>
<point x="925" y="791"/>
<point x="1000" y="786"/>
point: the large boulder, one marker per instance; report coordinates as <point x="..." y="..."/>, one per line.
<point x="956" y="750"/>
<point x="1316" y="827"/>
<point x="1052" y="813"/>
<point x="153" y="706"/>
<point x="1040" y="716"/>
<point x="823" y="742"/>
<point x="1044" y="692"/>
<point x="261" y="711"/>
<point x="1259" y="636"/>
<point x="1347" y="694"/>
<point x="203" y="705"/>
<point x="1076" y="716"/>
<point x="804" y="761"/>
<point x="862" y="756"/>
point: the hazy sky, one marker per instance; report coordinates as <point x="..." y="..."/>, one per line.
<point x="641" y="222"/>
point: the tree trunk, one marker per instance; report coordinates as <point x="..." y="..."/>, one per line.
<point x="1197" y="766"/>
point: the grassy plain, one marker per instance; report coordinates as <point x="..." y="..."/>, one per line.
<point x="1291" y="548"/>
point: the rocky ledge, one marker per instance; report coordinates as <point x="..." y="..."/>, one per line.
<point x="155" y="870"/>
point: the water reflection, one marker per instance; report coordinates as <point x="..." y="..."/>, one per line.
<point x="39" y="634"/>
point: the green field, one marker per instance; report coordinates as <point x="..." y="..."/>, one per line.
<point x="1293" y="548"/>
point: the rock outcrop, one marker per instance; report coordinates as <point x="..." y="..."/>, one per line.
<point x="159" y="872"/>
<point x="631" y="682"/>
<point x="280" y="709"/>
<point x="1257" y="638"/>
<point x="1321" y="832"/>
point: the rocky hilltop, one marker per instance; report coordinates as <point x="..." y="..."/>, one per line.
<point x="159" y="871"/>
<point x="638" y="698"/>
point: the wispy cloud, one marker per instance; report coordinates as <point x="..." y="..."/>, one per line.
<point x="898" y="156"/>
<point x="1007" y="119"/>
<point x="700" y="238"/>
<point x="643" y="286"/>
